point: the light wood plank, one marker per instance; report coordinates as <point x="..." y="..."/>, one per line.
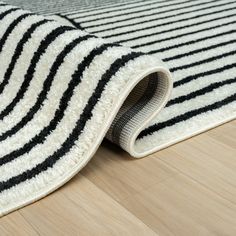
<point x="180" y="206"/>
<point x="186" y="189"/>
<point x="206" y="160"/>
<point x="225" y="134"/>
<point x="15" y="224"/>
<point x="121" y="176"/>
<point x="80" y="208"/>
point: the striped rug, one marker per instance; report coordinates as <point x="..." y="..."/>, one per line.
<point x="80" y="73"/>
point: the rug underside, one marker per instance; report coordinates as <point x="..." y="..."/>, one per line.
<point x="81" y="73"/>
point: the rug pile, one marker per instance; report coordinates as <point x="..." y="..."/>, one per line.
<point x="143" y="74"/>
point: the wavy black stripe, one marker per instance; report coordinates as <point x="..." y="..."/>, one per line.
<point x="80" y="124"/>
<point x="75" y="24"/>
<point x="200" y="92"/>
<point x="13" y="62"/>
<point x="31" y="69"/>
<point x="11" y="27"/>
<point x="184" y="34"/>
<point x="150" y="20"/>
<point x="199" y="50"/>
<point x="30" y="73"/>
<point x="203" y="74"/>
<point x="64" y="102"/>
<point x="171" y="22"/>
<point x="189" y="43"/>
<point x="188" y="115"/>
<point x="138" y="11"/>
<point x="4" y="39"/>
<point x="200" y="62"/>
<point x="178" y="28"/>
<point x="7" y="12"/>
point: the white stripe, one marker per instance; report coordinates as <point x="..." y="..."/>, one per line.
<point x="173" y="27"/>
<point x="20" y="69"/>
<point x="155" y="5"/>
<point x="182" y="39"/>
<point x="64" y="128"/>
<point x="87" y="139"/>
<point x="198" y="102"/>
<point x="40" y="120"/>
<point x="6" y="56"/>
<point x="158" y="15"/>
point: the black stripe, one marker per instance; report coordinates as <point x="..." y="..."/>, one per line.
<point x="170" y="22"/>
<point x="133" y="7"/>
<point x="203" y="74"/>
<point x="87" y="10"/>
<point x="29" y="76"/>
<point x="11" y="27"/>
<point x="200" y="92"/>
<point x="19" y="49"/>
<point x="156" y="127"/>
<point x="4" y="39"/>
<point x="30" y="72"/>
<point x="177" y="28"/>
<point x="210" y="59"/>
<point x="80" y="124"/>
<point x="203" y="49"/>
<point x="119" y="10"/>
<point x="153" y="14"/>
<point x="185" y="34"/>
<point x="64" y="102"/>
<point x="142" y="10"/>
<point x="189" y="42"/>
<point x="5" y="13"/>
<point x="13" y="62"/>
<point x="75" y="24"/>
<point x="155" y="20"/>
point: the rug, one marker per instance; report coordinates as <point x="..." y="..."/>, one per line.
<point x="79" y="74"/>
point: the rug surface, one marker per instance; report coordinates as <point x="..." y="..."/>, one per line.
<point x="80" y="73"/>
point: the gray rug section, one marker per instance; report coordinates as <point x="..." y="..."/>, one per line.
<point x="60" y="6"/>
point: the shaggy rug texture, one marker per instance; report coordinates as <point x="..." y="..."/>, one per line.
<point x="81" y="73"/>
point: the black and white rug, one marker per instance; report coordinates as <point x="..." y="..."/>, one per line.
<point x="81" y="72"/>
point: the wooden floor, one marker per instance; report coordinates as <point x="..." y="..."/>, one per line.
<point x="187" y="189"/>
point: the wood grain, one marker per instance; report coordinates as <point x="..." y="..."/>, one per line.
<point x="186" y="189"/>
